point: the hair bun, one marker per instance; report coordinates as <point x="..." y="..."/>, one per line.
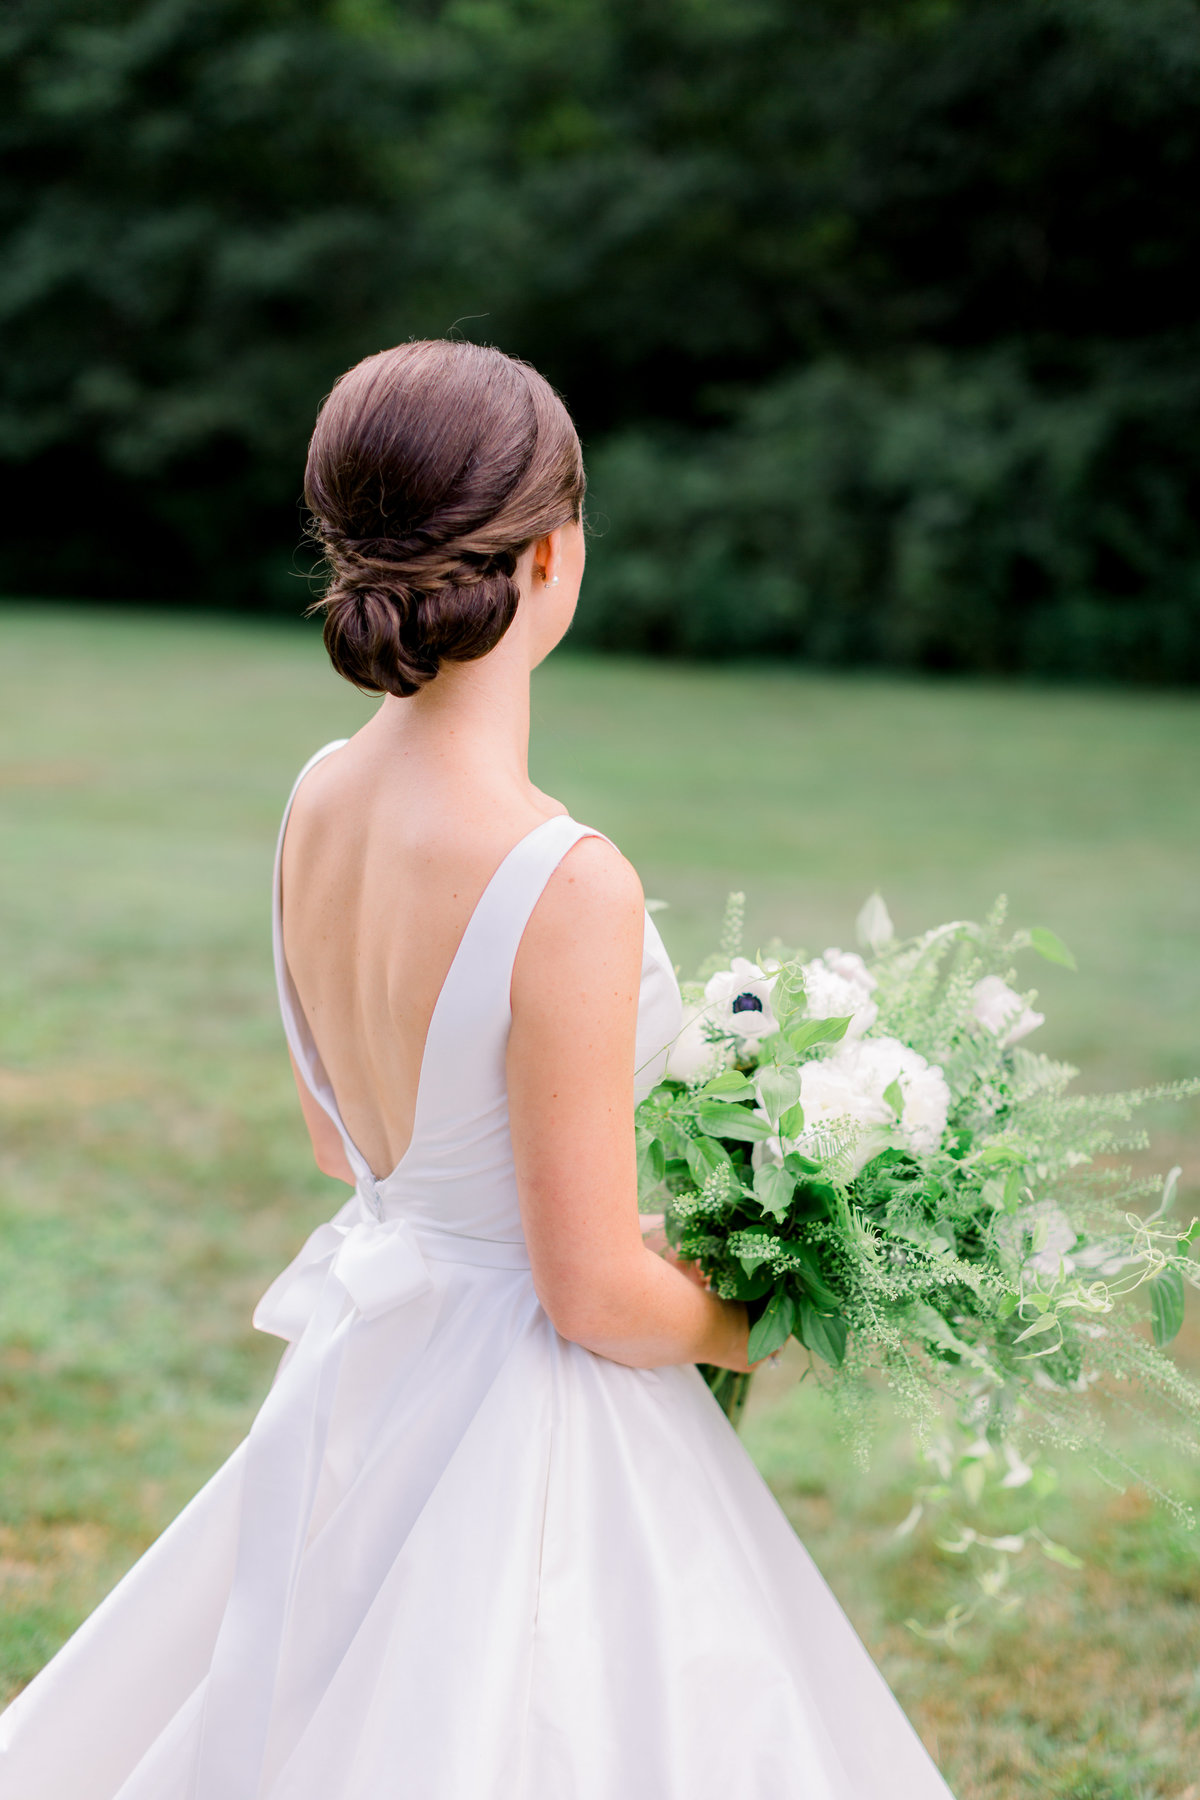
<point x="391" y="639"/>
<point x="431" y="468"/>
<point x="366" y="638"/>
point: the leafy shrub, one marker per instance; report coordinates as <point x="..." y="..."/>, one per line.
<point x="947" y="512"/>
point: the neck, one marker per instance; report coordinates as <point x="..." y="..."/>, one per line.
<point x="471" y="719"/>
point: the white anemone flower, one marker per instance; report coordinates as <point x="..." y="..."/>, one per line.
<point x="738" y="1000"/>
<point x="1003" y="1012"/>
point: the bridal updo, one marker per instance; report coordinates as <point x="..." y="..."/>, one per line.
<point x="431" y="468"/>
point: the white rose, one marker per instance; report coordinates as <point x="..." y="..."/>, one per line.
<point x="1003" y="1012"/>
<point x="838" y="985"/>
<point x="693" y="1055"/>
<point x="738" y="1000"/>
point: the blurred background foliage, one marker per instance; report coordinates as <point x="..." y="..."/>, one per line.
<point x="877" y="316"/>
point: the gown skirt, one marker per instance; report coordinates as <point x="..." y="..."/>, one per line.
<point x="458" y="1557"/>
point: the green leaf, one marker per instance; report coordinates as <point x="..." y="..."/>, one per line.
<point x="1166" y="1305"/>
<point x="673" y="1137"/>
<point x="893" y="1096"/>
<point x="1047" y="1322"/>
<point x="651" y="1159"/>
<point x="703" y="1156"/>
<point x="1047" y="944"/>
<point x="779" y="1088"/>
<point x="770" y="1332"/>
<point x="817" y="1031"/>
<point x="752" y="1285"/>
<point x="1192" y="1233"/>
<point x="825" y="1335"/>
<point x="773" y="1189"/>
<point x="874" y="925"/>
<point x="719" y="1120"/>
<point x="818" y="1293"/>
<point x="787" y="995"/>
<point x="791" y="1123"/>
<point x="1058" y="1553"/>
<point x="728" y="1085"/>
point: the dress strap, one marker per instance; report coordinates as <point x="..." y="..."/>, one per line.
<point x="479" y="984"/>
<point x="295" y="1025"/>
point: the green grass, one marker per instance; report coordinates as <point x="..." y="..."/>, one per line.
<point x="154" y="1173"/>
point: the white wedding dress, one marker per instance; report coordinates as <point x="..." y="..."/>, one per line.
<point x="457" y="1557"/>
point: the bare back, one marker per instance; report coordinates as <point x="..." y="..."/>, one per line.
<point x="384" y="861"/>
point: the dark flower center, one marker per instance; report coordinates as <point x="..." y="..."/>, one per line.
<point x="747" y="1003"/>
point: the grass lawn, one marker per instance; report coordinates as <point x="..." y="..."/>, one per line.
<point x="154" y="1173"/>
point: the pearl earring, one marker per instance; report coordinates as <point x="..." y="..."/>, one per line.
<point x="550" y="580"/>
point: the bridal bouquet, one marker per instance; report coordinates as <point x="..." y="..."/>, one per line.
<point x="864" y="1149"/>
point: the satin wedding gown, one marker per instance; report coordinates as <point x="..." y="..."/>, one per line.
<point x="457" y="1557"/>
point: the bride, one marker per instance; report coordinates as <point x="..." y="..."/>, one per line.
<point x="489" y="1537"/>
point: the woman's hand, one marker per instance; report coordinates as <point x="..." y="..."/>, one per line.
<point x="654" y="1237"/>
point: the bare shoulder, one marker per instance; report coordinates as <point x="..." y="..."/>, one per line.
<point x="593" y="878"/>
<point x="593" y="899"/>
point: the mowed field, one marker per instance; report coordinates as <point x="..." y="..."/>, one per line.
<point x="154" y="1173"/>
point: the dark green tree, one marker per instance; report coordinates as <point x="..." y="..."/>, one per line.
<point x="924" y="267"/>
<point x="203" y="222"/>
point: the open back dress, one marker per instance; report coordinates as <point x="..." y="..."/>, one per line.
<point x="458" y="1557"/>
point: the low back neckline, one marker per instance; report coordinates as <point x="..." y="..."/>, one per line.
<point x="295" y="1023"/>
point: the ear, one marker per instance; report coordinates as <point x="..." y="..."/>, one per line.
<point x="547" y="558"/>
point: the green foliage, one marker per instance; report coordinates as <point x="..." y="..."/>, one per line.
<point x="875" y="316"/>
<point x="959" y="1226"/>
<point x="193" y="225"/>
<point x="951" y="510"/>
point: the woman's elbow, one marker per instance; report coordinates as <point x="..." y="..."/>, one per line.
<point x="590" y="1312"/>
<point x="572" y="1318"/>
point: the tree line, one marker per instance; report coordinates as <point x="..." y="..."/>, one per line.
<point x="877" y="316"/>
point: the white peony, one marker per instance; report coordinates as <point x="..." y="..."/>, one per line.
<point x="1045" y="1224"/>
<point x="834" y="1090"/>
<point x="850" y="1085"/>
<point x="738" y="999"/>
<point x="1003" y="1012"/>
<point x="693" y="1055"/>
<point x="838" y="985"/>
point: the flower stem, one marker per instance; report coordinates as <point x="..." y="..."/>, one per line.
<point x="729" y="1390"/>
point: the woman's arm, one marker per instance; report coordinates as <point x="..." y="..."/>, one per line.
<point x="326" y="1139"/>
<point x="570" y="1084"/>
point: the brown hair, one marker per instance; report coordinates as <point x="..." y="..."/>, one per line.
<point x="432" y="466"/>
